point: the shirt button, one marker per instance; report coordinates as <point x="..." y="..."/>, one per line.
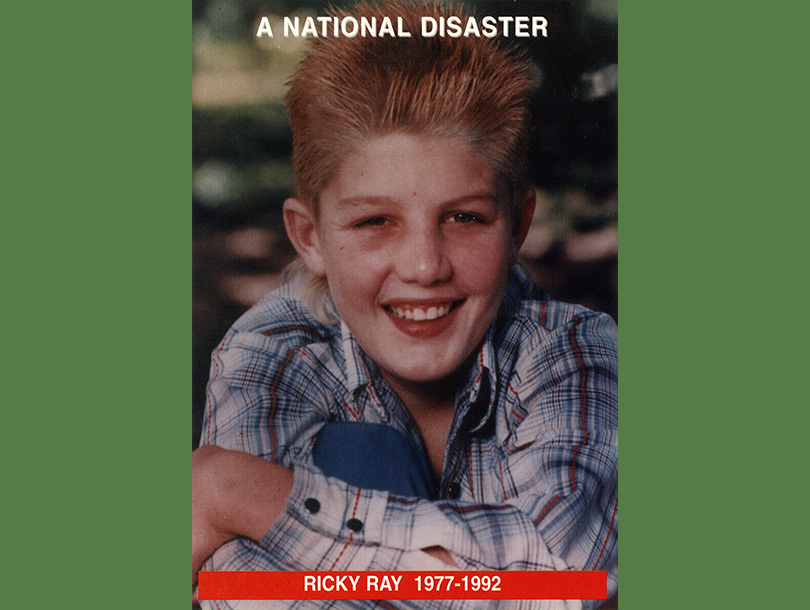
<point x="312" y="505"/>
<point x="354" y="524"/>
<point x="454" y="491"/>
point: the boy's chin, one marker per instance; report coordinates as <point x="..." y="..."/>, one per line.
<point x="449" y="374"/>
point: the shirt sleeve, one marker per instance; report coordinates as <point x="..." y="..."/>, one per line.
<point x="264" y="397"/>
<point x="557" y="463"/>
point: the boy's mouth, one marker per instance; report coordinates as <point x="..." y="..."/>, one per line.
<point x="422" y="312"/>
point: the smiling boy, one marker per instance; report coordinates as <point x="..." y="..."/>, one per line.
<point x="409" y="400"/>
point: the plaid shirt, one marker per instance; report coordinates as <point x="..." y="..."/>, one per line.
<point x="530" y="473"/>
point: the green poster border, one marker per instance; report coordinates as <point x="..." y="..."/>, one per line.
<point x="690" y="119"/>
<point x="96" y="243"/>
<point x="644" y="157"/>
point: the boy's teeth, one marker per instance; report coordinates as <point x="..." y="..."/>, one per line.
<point x="418" y="314"/>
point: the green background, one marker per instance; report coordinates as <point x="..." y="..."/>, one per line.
<point x="96" y="260"/>
<point x="97" y="285"/>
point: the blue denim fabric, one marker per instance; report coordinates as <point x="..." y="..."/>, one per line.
<point x="373" y="456"/>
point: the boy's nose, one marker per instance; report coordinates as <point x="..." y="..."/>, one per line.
<point x="422" y="258"/>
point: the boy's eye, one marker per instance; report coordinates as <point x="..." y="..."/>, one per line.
<point x="374" y="221"/>
<point x="466" y="218"/>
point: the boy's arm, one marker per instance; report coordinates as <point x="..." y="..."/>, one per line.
<point x="233" y="494"/>
<point x="238" y="494"/>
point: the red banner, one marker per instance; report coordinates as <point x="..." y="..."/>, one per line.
<point x="403" y="585"/>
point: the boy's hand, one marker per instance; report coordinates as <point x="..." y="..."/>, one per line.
<point x="441" y="554"/>
<point x="233" y="494"/>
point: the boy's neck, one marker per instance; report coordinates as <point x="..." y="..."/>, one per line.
<point x="437" y="395"/>
<point x="427" y="396"/>
<point x="432" y="405"/>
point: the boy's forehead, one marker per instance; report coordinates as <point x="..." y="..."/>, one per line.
<point x="396" y="166"/>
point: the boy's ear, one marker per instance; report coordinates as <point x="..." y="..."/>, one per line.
<point x="524" y="212"/>
<point x="299" y="220"/>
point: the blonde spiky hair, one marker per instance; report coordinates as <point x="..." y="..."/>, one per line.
<point x="349" y="89"/>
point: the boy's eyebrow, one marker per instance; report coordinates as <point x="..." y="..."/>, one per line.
<point x="370" y="200"/>
<point x="381" y="200"/>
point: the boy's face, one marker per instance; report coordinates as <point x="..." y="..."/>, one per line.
<point x="416" y="236"/>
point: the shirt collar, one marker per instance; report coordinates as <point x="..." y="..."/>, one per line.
<point x="475" y="400"/>
<point x="357" y="369"/>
